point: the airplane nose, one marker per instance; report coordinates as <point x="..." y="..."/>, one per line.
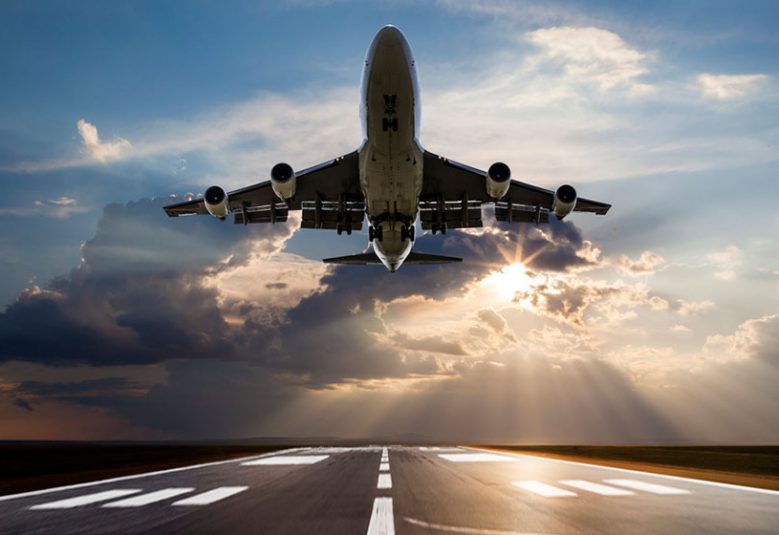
<point x="389" y="36"/>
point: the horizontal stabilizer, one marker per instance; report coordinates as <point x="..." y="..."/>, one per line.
<point x="371" y="258"/>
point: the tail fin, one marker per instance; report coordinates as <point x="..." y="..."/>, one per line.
<point x="412" y="258"/>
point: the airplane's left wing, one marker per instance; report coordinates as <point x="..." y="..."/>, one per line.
<point x="327" y="193"/>
<point x="454" y="192"/>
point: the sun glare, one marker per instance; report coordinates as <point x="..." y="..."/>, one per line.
<point x="509" y="280"/>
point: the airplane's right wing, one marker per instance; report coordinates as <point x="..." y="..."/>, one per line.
<point x="456" y="191"/>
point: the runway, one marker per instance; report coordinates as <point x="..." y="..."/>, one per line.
<point x="398" y="489"/>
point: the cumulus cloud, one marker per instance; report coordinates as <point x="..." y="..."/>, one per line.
<point x="646" y="264"/>
<point x="754" y="339"/>
<point x="690" y="308"/>
<point x="726" y="261"/>
<point x="99" y="150"/>
<point x="729" y="86"/>
<point x="593" y="55"/>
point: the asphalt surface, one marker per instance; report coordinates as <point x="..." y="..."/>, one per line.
<point x="397" y="490"/>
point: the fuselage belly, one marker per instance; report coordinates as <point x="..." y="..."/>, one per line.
<point x="390" y="155"/>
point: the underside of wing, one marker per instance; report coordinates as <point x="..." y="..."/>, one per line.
<point x="328" y="194"/>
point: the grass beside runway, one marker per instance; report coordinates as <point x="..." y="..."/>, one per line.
<point x="26" y="467"/>
<point x="754" y="466"/>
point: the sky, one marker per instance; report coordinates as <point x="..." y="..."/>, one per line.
<point x="658" y="323"/>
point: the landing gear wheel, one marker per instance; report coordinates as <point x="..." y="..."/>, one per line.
<point x="410" y="233"/>
<point x="394" y="124"/>
<point x="434" y="228"/>
<point x="348" y="230"/>
<point x="371" y="233"/>
<point x="379" y="233"/>
<point x="385" y="124"/>
<point x="339" y="229"/>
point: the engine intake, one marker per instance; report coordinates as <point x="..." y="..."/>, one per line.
<point x="216" y="203"/>
<point x="283" y="180"/>
<point x="564" y="201"/>
<point x="498" y="180"/>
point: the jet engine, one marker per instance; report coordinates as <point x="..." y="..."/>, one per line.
<point x="564" y="201"/>
<point x="498" y="182"/>
<point x="216" y="202"/>
<point x="283" y="179"/>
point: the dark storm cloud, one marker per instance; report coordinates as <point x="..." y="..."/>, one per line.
<point x="135" y="298"/>
<point x="22" y="404"/>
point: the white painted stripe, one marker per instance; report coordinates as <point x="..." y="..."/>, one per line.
<point x="384" y="482"/>
<point x="383" y="467"/>
<point x="384" y="452"/>
<point x="136" y="476"/>
<point x="282" y="460"/>
<point x="382" y="520"/>
<point x="211" y="496"/>
<point x="646" y="487"/>
<point x="86" y="499"/>
<point x="639" y="472"/>
<point x="542" y="489"/>
<point x="476" y="458"/>
<point x="463" y="529"/>
<point x="597" y="488"/>
<point x="151" y="497"/>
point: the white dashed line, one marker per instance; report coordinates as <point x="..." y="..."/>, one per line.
<point x="382" y="519"/>
<point x="383" y="467"/>
<point x="384" y="482"/>
<point x="542" y="489"/>
<point x="86" y="499"/>
<point x="476" y="458"/>
<point x="211" y="496"/>
<point x="152" y="497"/>
<point x="597" y="488"/>
<point x="282" y="460"/>
<point x="646" y="487"/>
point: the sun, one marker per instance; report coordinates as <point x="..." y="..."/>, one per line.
<point x="508" y="281"/>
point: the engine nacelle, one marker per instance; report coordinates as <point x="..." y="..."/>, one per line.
<point x="216" y="203"/>
<point x="564" y="201"/>
<point x="283" y="180"/>
<point x="498" y="180"/>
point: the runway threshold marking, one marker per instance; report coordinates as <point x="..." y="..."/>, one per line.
<point x="597" y="488"/>
<point x="384" y="481"/>
<point x="476" y="458"/>
<point x="281" y="460"/>
<point x="382" y="518"/>
<point x="542" y="489"/>
<point x="646" y="487"/>
<point x="136" y="476"/>
<point x="211" y="496"/>
<point x="729" y="486"/>
<point x="151" y="497"/>
<point x="87" y="499"/>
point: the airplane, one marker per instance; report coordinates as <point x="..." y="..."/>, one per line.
<point x="390" y="178"/>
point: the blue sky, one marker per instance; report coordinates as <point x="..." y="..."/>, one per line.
<point x="668" y="110"/>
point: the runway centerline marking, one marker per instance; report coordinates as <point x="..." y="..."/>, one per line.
<point x="282" y="460"/>
<point x="476" y="458"/>
<point x="646" y="487"/>
<point x="542" y="489"/>
<point x="382" y="519"/>
<point x="597" y="488"/>
<point x="384" y="467"/>
<point x="211" y="496"/>
<point x="151" y="497"/>
<point x="384" y="481"/>
<point x="87" y="499"/>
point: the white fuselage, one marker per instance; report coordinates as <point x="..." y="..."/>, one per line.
<point x="390" y="155"/>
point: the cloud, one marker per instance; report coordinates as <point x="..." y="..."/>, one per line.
<point x="593" y="55"/>
<point x="59" y="208"/>
<point x="727" y="260"/>
<point x="754" y="339"/>
<point x="729" y="86"/>
<point x="646" y="264"/>
<point x="22" y="404"/>
<point x="690" y="308"/>
<point x="101" y="151"/>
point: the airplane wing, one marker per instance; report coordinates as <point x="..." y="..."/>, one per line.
<point x="322" y="192"/>
<point x="458" y="190"/>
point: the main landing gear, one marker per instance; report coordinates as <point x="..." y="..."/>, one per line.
<point x="407" y="232"/>
<point x="375" y="233"/>
<point x="387" y="123"/>
<point x="341" y="228"/>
